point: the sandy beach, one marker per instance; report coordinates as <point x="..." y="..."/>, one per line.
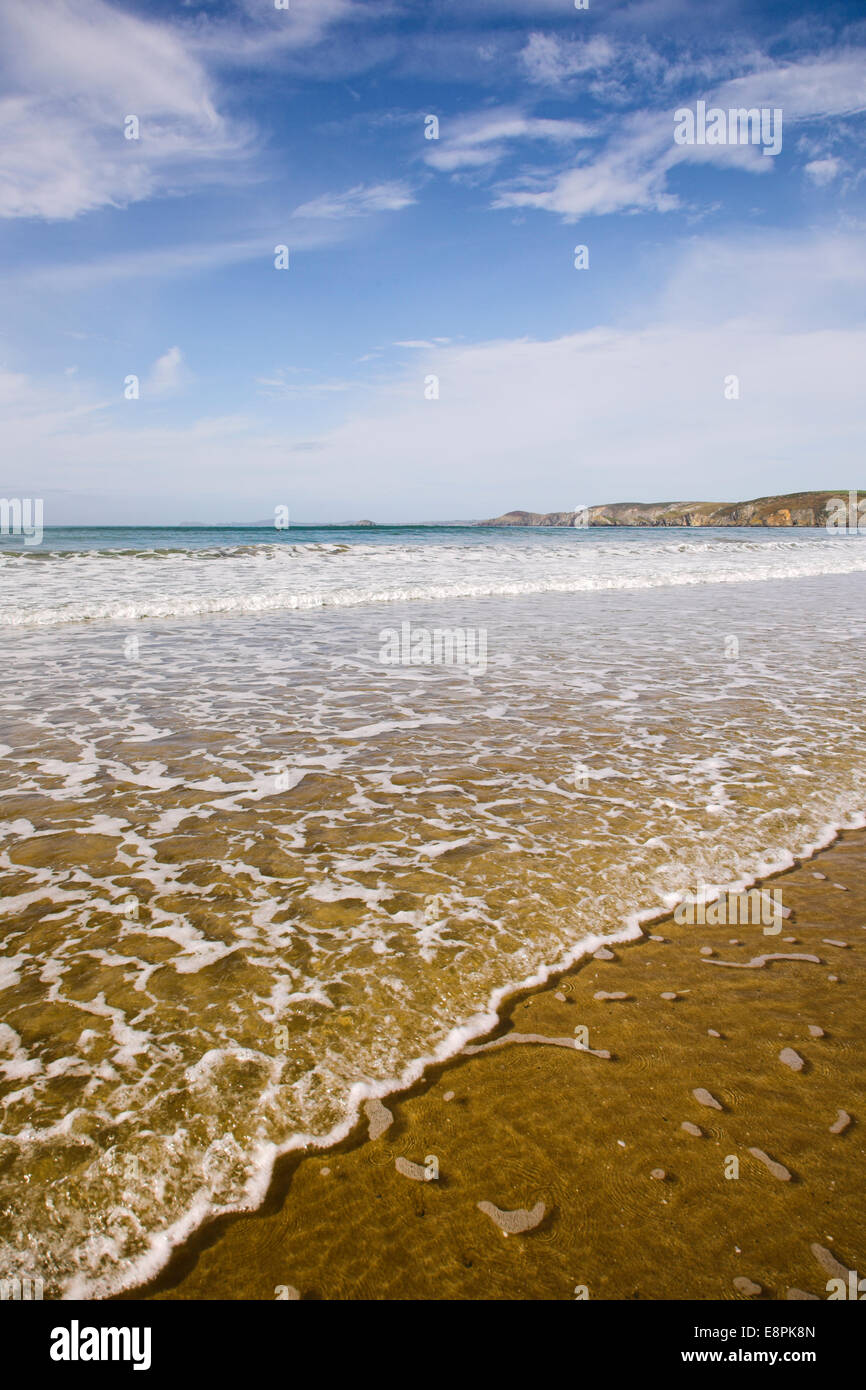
<point x="258" y="877"/>
<point x="432" y="557"/>
<point x="759" y="1189"/>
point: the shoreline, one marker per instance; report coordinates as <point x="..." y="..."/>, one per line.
<point x="201" y="1264"/>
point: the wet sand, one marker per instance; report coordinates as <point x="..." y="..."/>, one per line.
<point x="590" y="1137"/>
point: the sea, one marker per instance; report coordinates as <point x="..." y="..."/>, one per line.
<point x="287" y="815"/>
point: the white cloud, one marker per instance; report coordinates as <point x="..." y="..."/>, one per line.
<point x="34" y="413"/>
<point x="73" y="70"/>
<point x="829" y="85"/>
<point x="823" y="171"/>
<point x="167" y="375"/>
<point x="262" y="34"/>
<point x="483" y="138"/>
<point x="359" y="201"/>
<point x="550" y="61"/>
<point x="282" y="386"/>
<point x="166" y="262"/>
<point x="783" y="281"/>
<point x="631" y="171"/>
<point x="614" y="412"/>
<point x="163" y="263"/>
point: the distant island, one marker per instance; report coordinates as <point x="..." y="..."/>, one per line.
<point x="269" y="522"/>
<point x="789" y="509"/>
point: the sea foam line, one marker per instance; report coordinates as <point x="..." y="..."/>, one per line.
<point x="268" y="601"/>
<point x="485" y="1021"/>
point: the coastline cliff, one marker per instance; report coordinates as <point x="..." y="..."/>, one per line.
<point x="790" y="509"/>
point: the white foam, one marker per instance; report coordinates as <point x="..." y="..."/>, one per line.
<point x="132" y="587"/>
<point x="162" y="1245"/>
<point x="442" y="859"/>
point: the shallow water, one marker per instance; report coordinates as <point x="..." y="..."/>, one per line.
<point x="250" y="873"/>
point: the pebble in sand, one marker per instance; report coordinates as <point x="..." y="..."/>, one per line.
<point x="828" y="1262"/>
<point x="560" y="996"/>
<point x="791" y="1059"/>
<point x="379" y="1118"/>
<point x="775" y="907"/>
<point x="604" y="954"/>
<point x="758" y="962"/>
<point x="670" y="995"/>
<point x="520" y="1038"/>
<point x="616" y="994"/>
<point x="711" y="1032"/>
<point x="703" y="1097"/>
<point x="658" y="1174"/>
<point x="747" y="1287"/>
<point x="777" y="1169"/>
<point x="694" y="1130"/>
<point x="514" y="1223"/>
<point x="815" y="1031"/>
<point x="842" y="945"/>
<point x="841" y="1122"/>
<point x="449" y="1095"/>
<point x="416" y="1171"/>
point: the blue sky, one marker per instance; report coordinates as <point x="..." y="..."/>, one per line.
<point x="413" y="258"/>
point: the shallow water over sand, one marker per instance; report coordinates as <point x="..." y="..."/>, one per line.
<point x="250" y="873"/>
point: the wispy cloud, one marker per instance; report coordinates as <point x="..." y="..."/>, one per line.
<point x="167" y="375"/>
<point x="823" y="171"/>
<point x="360" y="201"/>
<point x="484" y="138"/>
<point x="292" y="383"/>
<point x="169" y="262"/>
<point x="832" y="84"/>
<point x="631" y="171"/>
<point x="551" y="61"/>
<point x="726" y="308"/>
<point x="73" y="70"/>
<point x="257" y="33"/>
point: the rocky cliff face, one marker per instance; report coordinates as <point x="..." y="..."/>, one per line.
<point x="792" y="509"/>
